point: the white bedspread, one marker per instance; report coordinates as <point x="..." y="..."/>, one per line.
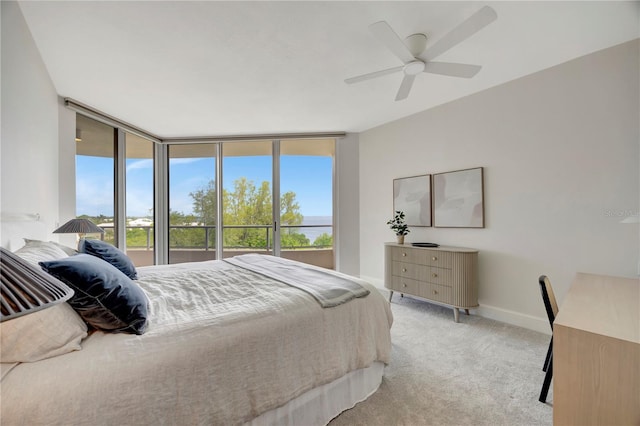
<point x="223" y="345"/>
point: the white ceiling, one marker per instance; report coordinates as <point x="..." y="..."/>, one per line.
<point x="181" y="68"/>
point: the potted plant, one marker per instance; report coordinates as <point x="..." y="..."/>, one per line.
<point x="398" y="226"/>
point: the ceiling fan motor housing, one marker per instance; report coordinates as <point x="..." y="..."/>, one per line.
<point x="416" y="43"/>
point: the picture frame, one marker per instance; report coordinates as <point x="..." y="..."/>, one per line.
<point x="412" y="195"/>
<point x="458" y="199"/>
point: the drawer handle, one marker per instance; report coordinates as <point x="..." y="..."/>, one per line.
<point x="404" y="269"/>
<point x="404" y="285"/>
<point x="434" y="275"/>
<point x="404" y="254"/>
<point x="434" y="258"/>
<point x="435" y="291"/>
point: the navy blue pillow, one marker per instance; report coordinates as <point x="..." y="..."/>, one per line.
<point x="104" y="297"/>
<point x="111" y="254"/>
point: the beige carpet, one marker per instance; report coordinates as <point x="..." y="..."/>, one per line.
<point x="476" y="372"/>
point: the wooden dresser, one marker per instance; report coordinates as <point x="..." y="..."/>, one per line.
<point x="445" y="275"/>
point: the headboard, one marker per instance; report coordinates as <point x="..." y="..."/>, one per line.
<point x="14" y="227"/>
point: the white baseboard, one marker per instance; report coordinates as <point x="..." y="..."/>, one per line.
<point x="514" y="318"/>
<point x="499" y="314"/>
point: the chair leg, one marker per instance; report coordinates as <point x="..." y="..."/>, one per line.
<point x="546" y="360"/>
<point x="547" y="380"/>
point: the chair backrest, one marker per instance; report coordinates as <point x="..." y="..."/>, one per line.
<point x="548" y="298"/>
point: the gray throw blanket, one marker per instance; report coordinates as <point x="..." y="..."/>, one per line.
<point x="329" y="288"/>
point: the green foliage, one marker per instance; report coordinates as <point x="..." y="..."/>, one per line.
<point x="204" y="204"/>
<point x="188" y="237"/>
<point x="290" y="238"/>
<point x="177" y="218"/>
<point x="137" y="237"/>
<point x="290" y="209"/>
<point x="247" y="218"/>
<point x="323" y="240"/>
<point x="247" y="214"/>
<point x="183" y="235"/>
<point x="397" y="224"/>
<point x="246" y="205"/>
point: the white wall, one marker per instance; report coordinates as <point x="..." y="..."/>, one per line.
<point x="67" y="168"/>
<point x="29" y="134"/>
<point x="347" y="206"/>
<point x="560" y="151"/>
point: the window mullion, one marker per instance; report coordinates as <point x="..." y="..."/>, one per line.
<point x="120" y="195"/>
<point x="275" y="202"/>
<point x="219" y="206"/>
<point x="161" y="204"/>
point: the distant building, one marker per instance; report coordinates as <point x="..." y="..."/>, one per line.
<point x="143" y="221"/>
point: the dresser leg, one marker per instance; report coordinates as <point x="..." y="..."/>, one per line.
<point x="456" y="315"/>
<point x="466" y="311"/>
<point x="390" y="295"/>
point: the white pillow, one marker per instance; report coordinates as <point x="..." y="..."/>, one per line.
<point x="35" y="251"/>
<point x="69" y="250"/>
<point x="44" y="334"/>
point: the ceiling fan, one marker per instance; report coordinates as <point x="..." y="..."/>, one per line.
<point x="416" y="59"/>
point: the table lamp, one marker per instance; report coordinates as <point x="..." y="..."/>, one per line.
<point x="80" y="227"/>
<point x="25" y="288"/>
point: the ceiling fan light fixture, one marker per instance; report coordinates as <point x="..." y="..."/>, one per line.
<point x="414" y="68"/>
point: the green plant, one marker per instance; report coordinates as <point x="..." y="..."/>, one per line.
<point x="397" y="224"/>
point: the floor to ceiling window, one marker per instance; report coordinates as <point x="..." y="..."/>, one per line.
<point x="247" y="198"/>
<point x="97" y="183"/>
<point x="95" y="178"/>
<point x="215" y="199"/>
<point x="139" y="199"/>
<point x="306" y="199"/>
<point x="192" y="202"/>
<point x="299" y="181"/>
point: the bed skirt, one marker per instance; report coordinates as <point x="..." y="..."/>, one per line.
<point x="319" y="405"/>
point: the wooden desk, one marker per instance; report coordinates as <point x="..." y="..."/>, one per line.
<point x="596" y="353"/>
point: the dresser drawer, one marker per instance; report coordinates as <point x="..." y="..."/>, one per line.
<point x="406" y="285"/>
<point x="441" y="259"/>
<point x="440" y="276"/>
<point x="407" y="254"/>
<point x="410" y="270"/>
<point x="438" y="293"/>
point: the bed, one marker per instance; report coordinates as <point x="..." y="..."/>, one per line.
<point x="224" y="343"/>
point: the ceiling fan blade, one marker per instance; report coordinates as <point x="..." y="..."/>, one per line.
<point x="371" y="75"/>
<point x="466" y="29"/>
<point x="405" y="87"/>
<point x="389" y="38"/>
<point x="452" y="69"/>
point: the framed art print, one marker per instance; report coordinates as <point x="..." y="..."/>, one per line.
<point x="412" y="195"/>
<point x="458" y="199"/>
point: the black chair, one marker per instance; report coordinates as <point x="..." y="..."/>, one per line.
<point x="551" y="306"/>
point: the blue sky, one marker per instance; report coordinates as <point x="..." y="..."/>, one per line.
<point x="308" y="176"/>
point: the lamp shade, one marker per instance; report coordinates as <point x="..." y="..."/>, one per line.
<point x="25" y="288"/>
<point x="79" y="226"/>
